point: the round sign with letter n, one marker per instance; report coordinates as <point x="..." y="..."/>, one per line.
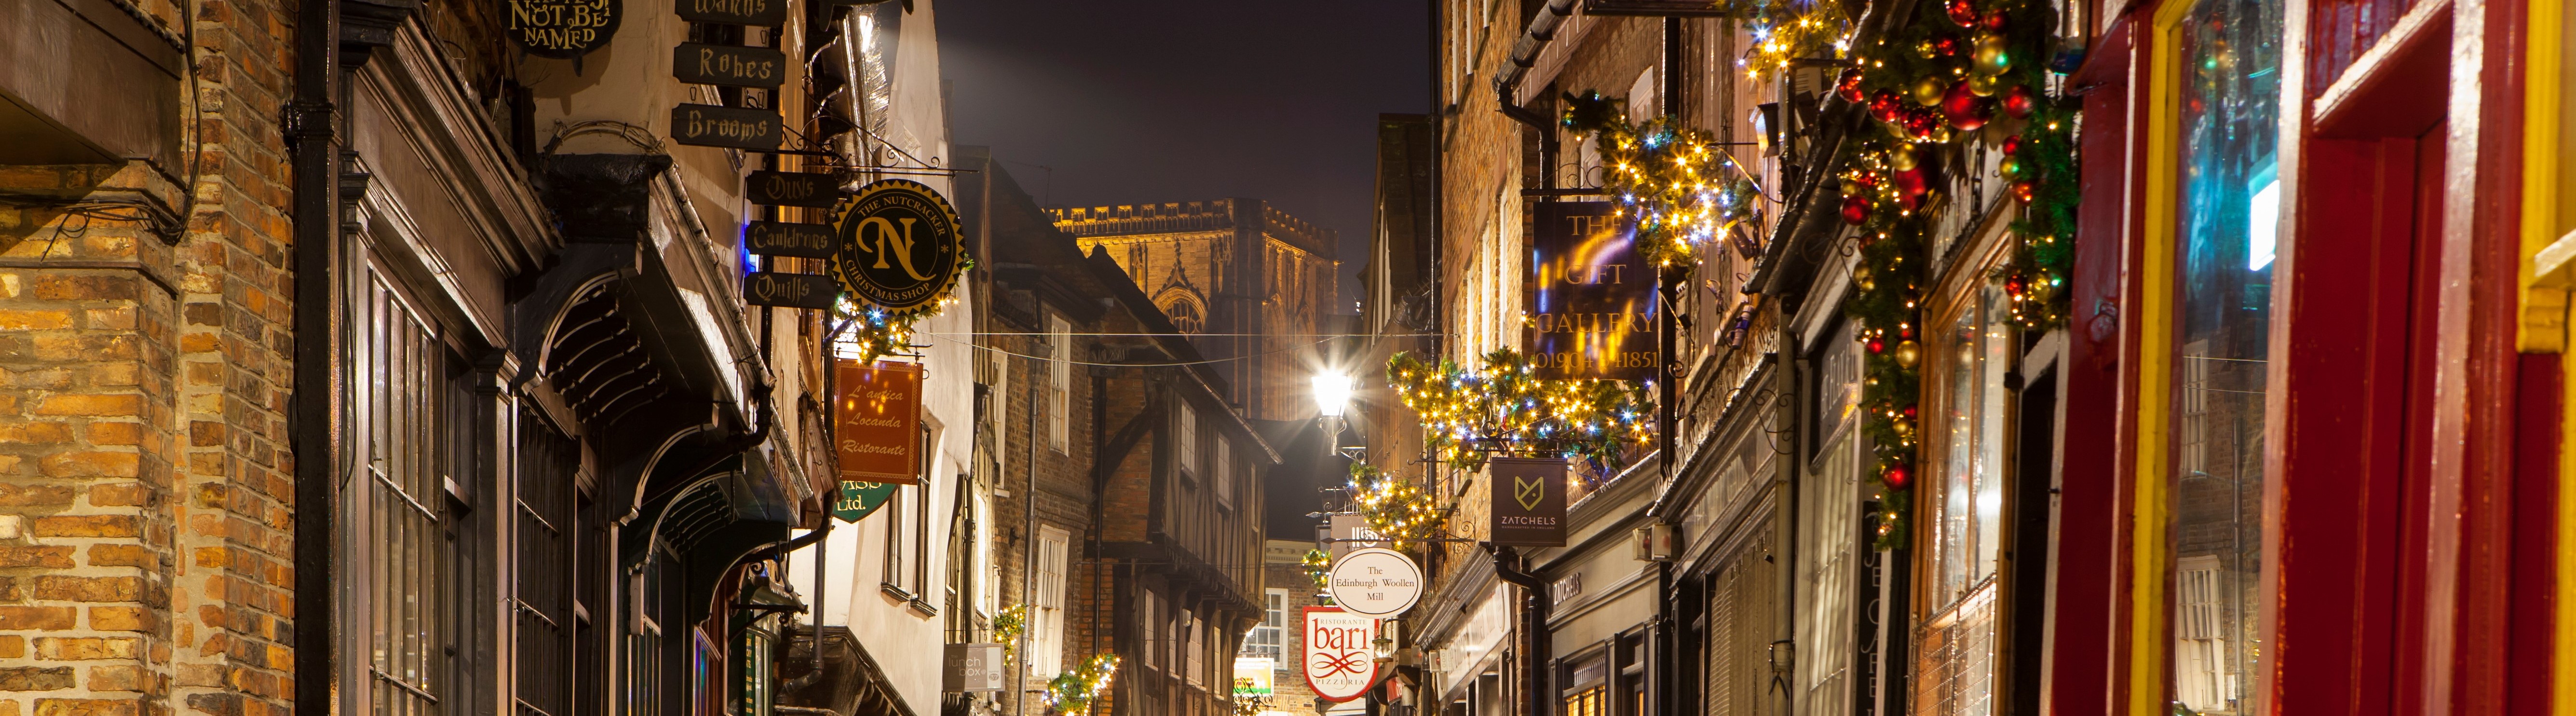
<point x="899" y="246"/>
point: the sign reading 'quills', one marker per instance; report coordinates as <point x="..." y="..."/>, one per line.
<point x="876" y="418"/>
<point x="1591" y="299"/>
<point x="791" y="290"/>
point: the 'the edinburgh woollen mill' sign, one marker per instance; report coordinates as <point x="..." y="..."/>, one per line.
<point x="1591" y="299"/>
<point x="729" y="66"/>
<point x="769" y="13"/>
<point x="1340" y="663"/>
<point x="1376" y="582"/>
<point x="562" y="29"/>
<point x="899" y="245"/>
<point x="791" y="290"/>
<point x="876" y="418"/>
<point x="788" y="238"/>
<point x="808" y="189"/>
<point x="710" y="125"/>
<point x="1529" y="501"/>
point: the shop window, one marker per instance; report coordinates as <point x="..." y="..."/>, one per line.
<point x="1973" y="349"/>
<point x="1587" y="687"/>
<point x="2225" y="231"/>
<point x="402" y="514"/>
<point x="1830" y="536"/>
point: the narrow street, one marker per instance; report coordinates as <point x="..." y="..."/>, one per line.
<point x="1341" y="358"/>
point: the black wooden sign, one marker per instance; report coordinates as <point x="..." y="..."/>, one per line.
<point x="1529" y="501"/>
<point x="792" y="189"/>
<point x="899" y="246"/>
<point x="785" y="238"/>
<point x="729" y="66"/>
<point x="562" y="29"/>
<point x="793" y="290"/>
<point x="770" y="13"/>
<point x="709" y="125"/>
<point x="1589" y="297"/>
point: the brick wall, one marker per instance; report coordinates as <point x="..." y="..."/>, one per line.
<point x="144" y="489"/>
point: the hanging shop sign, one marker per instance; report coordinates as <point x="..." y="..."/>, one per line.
<point x="709" y="125"/>
<point x="770" y="13"/>
<point x="1255" y="676"/>
<point x="1350" y="532"/>
<point x="563" y="29"/>
<point x="1591" y="298"/>
<point x="876" y="417"/>
<point x="807" y="189"/>
<point x="857" y="499"/>
<point x="1340" y="662"/>
<point x="791" y="290"/>
<point x="788" y="238"/>
<point x="1529" y="501"/>
<point x="730" y="66"/>
<point x="1375" y="582"/>
<point x="972" y="668"/>
<point x="898" y="246"/>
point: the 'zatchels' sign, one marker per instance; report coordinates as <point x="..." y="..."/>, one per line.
<point x="562" y="29"/>
<point x="1529" y="501"/>
<point x="1591" y="300"/>
<point x="899" y="245"/>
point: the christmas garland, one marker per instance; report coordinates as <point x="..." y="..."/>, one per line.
<point x="1319" y="567"/>
<point x="1073" y="691"/>
<point x="1969" y="74"/>
<point x="1395" y="508"/>
<point x="1505" y="405"/>
<point x="1674" y="179"/>
<point x="1007" y="627"/>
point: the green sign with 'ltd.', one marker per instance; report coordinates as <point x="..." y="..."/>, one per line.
<point x="858" y="499"/>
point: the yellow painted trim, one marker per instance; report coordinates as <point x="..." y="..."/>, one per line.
<point x="2545" y="184"/>
<point x="2563" y="680"/>
<point x="2154" y="312"/>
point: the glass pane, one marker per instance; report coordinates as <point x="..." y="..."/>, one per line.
<point x="2229" y="207"/>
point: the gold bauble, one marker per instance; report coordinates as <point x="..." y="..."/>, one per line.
<point x="1926" y="49"/>
<point x="1851" y="188"/>
<point x="1901" y="158"/>
<point x="1908" y="352"/>
<point x="1992" y="57"/>
<point x="1928" y="91"/>
<point x="1982" y="85"/>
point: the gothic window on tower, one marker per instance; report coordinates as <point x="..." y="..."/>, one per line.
<point x="1185" y="312"/>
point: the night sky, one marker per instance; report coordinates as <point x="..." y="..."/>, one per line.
<point x="1139" y="101"/>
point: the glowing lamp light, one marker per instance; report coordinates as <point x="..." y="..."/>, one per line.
<point x="1332" y="392"/>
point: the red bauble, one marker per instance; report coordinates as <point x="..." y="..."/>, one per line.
<point x="1866" y="178"/>
<point x="1993" y="21"/>
<point x="1848" y="85"/>
<point x="1966" y="110"/>
<point x="2015" y="285"/>
<point x="1946" y="47"/>
<point x="1897" y="475"/>
<point x="1909" y="188"/>
<point x="1886" y="106"/>
<point x="1920" y="122"/>
<point x="1961" y="12"/>
<point x="2012" y="145"/>
<point x="1877" y="346"/>
<point x="2023" y="190"/>
<point x="1856" y="209"/>
<point x="1909" y="412"/>
<point x="2018" y="101"/>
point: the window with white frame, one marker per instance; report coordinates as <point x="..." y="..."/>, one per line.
<point x="402" y="412"/>
<point x="1192" y="648"/>
<point x="1269" y="638"/>
<point x="1187" y="442"/>
<point x="1149" y="608"/>
<point x="1059" y="381"/>
<point x="1222" y="473"/>
<point x="1046" y="613"/>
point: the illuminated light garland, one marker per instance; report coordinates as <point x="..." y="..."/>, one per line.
<point x="876" y="332"/>
<point x="1318" y="566"/>
<point x="1505" y="405"/>
<point x="1007" y="627"/>
<point x="1785" y="31"/>
<point x="1393" y="507"/>
<point x="1072" y="692"/>
<point x="1674" y="181"/>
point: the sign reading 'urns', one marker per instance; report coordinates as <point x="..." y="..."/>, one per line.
<point x="899" y="246"/>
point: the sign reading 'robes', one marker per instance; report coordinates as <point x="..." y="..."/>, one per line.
<point x="1591" y="299"/>
<point x="1529" y="501"/>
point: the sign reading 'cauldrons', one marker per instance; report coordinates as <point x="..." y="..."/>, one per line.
<point x="563" y="29"/>
<point x="1529" y="501"/>
<point x="709" y="125"/>
<point x="785" y="238"/>
<point x="729" y="66"/>
<point x="899" y="245"/>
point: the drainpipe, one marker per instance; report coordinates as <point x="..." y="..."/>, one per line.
<point x="1534" y="623"/>
<point x="1785" y="459"/>
<point x="308" y="126"/>
<point x="1028" y="532"/>
<point x="822" y="586"/>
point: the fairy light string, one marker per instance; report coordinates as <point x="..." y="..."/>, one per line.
<point x="1505" y="405"/>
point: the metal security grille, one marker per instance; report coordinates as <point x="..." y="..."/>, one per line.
<point x="403" y="366"/>
<point x="1740" y="633"/>
<point x="549" y="464"/>
<point x="1957" y="667"/>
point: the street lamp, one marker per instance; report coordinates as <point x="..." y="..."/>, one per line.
<point x="1332" y="394"/>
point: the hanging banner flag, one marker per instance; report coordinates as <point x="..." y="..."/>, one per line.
<point x="710" y="125"/>
<point x="1591" y="300"/>
<point x="876" y="418"/>
<point x="728" y="65"/>
<point x="899" y="246"/>
<point x="1375" y="582"/>
<point x="562" y="29"/>
<point x="1529" y="501"/>
<point x="1340" y="662"/>
<point x="792" y="290"/>
<point x="787" y="238"/>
